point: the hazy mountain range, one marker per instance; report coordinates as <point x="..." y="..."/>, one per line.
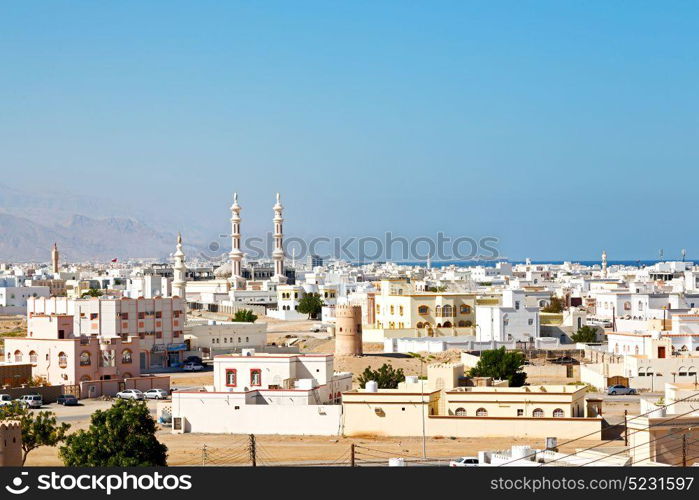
<point x="84" y="227"/>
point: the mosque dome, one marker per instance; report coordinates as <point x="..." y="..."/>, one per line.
<point x="223" y="271"/>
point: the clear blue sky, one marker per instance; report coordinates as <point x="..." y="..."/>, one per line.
<point x="561" y="127"/>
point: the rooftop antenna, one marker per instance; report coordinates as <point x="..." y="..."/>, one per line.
<point x="684" y="254"/>
<point x="660" y="253"/>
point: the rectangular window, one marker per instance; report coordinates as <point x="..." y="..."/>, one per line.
<point x="231" y="377"/>
<point x="94" y="315"/>
<point x="256" y="377"/>
<point x="158" y="314"/>
<point x="520" y="413"/>
<point x="124" y="315"/>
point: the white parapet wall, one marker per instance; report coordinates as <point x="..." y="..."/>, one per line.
<point x="216" y="413"/>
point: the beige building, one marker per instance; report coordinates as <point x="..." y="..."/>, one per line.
<point x="400" y="311"/>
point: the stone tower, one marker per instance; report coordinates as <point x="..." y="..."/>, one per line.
<point x="10" y="443"/>
<point x="54" y="258"/>
<point x="179" y="285"/>
<point x="348" y="330"/>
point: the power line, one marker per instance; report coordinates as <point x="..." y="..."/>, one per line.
<point x="627" y="433"/>
<point x="611" y="427"/>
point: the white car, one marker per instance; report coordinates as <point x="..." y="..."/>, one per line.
<point x="5" y="400"/>
<point x="155" y="394"/>
<point x="130" y="394"/>
<point x="464" y="462"/>
<point x="31" y="401"/>
<point x="192" y="367"/>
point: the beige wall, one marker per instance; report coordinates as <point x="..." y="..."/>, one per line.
<point x="405" y="419"/>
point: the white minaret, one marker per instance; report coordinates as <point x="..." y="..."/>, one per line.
<point x="179" y="284"/>
<point x="278" y="253"/>
<point x="604" y="263"/>
<point x="236" y="254"/>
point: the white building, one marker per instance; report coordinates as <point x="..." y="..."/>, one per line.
<point x="265" y="394"/>
<point x="511" y="321"/>
<point x="13" y="299"/>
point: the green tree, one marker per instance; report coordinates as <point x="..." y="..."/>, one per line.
<point x="244" y="316"/>
<point x="585" y="334"/>
<point x="310" y="304"/>
<point x="501" y="364"/>
<point x="437" y="289"/>
<point x="122" y="436"/>
<point x="555" y="306"/>
<point x="38" y="428"/>
<point x="386" y="377"/>
<point x="92" y="292"/>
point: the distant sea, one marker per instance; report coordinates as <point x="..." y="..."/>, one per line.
<point x="492" y="263"/>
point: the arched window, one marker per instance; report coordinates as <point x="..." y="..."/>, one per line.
<point x="627" y="306"/>
<point x="85" y="359"/>
<point x="126" y="356"/>
<point x="18" y="356"/>
<point x="461" y="412"/>
<point x="481" y="412"/>
<point x="447" y="311"/>
<point x="438" y="311"/>
<point x="447" y="324"/>
<point x="635" y="350"/>
<point x="558" y="413"/>
<point x="62" y="360"/>
<point x="462" y="324"/>
<point x="424" y="310"/>
<point x="392" y="310"/>
<point x="465" y="309"/>
<point x="538" y="413"/>
<point x="126" y="375"/>
<point x="32" y="357"/>
<point x="419" y="324"/>
<point x="84" y="378"/>
<point x="640" y="305"/>
<point x="400" y="310"/>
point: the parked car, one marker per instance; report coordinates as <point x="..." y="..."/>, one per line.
<point x="193" y="359"/>
<point x="5" y="400"/>
<point x="31" y="401"/>
<point x="464" y="462"/>
<point x="130" y="394"/>
<point x="620" y="390"/>
<point x="193" y="367"/>
<point x="155" y="394"/>
<point x="67" y="400"/>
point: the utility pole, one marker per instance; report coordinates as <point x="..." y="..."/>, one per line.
<point x="684" y="450"/>
<point x="203" y="455"/>
<point x="626" y="428"/>
<point x="352" y="462"/>
<point x="252" y="448"/>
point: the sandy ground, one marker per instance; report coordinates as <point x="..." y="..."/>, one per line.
<point x="233" y="449"/>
